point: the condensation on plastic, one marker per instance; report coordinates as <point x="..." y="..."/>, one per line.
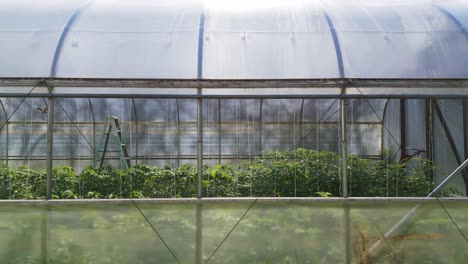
<point x="252" y="39"/>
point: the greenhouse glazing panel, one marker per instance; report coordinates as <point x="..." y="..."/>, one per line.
<point x="446" y="155"/>
<point x="297" y="33"/>
<point x="28" y="28"/>
<point x="376" y="38"/>
<point x="165" y="31"/>
<point x="244" y="231"/>
<point x="248" y="144"/>
<point x="24" y="131"/>
<point x="189" y="39"/>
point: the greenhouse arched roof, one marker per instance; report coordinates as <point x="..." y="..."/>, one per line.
<point x="242" y="39"/>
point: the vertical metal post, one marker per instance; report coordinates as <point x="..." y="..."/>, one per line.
<point x="260" y="127"/>
<point x="50" y="150"/>
<point x="178" y="132"/>
<point x="93" y="151"/>
<point x="429" y="136"/>
<point x="347" y="229"/>
<point x="199" y="235"/>
<point x="383" y="153"/>
<point x="465" y="132"/>
<point x="402" y="129"/>
<point x="199" y="144"/>
<point x="344" y="180"/>
<point x="219" y="131"/>
<point x="301" y="125"/>
<point x="7" y="142"/>
<point x="319" y="122"/>
<point x="135" y="114"/>
<point x="7" y="132"/>
<point x="344" y="154"/>
<point x="199" y="225"/>
<point x="44" y="234"/>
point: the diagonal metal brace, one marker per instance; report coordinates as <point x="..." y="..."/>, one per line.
<point x="375" y="249"/>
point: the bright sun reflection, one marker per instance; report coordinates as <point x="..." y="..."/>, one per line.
<point x="248" y="5"/>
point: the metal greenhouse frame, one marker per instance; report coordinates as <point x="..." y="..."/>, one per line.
<point x="411" y="55"/>
<point x="342" y="89"/>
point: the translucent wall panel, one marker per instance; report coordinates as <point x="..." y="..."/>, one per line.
<point x="392" y="132"/>
<point x="243" y="128"/>
<point x="320" y="128"/>
<point x="233" y="232"/>
<point x="238" y="134"/>
<point x="364" y="118"/>
<point x="156" y="131"/>
<point x="247" y="134"/>
<point x="211" y="131"/>
<point x="444" y="155"/>
<point x="160" y="129"/>
<point x="415" y="118"/>
<point x="281" y="119"/>
<point x="22" y="148"/>
<point x="74" y="140"/>
<point x="164" y="131"/>
<point x="27" y="130"/>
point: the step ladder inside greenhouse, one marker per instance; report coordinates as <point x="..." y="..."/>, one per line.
<point x="111" y="127"/>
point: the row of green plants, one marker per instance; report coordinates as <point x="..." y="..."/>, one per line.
<point x="296" y="173"/>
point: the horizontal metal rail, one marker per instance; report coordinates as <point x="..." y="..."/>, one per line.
<point x="233" y="83"/>
<point x="266" y="200"/>
<point x="225" y="88"/>
<point x="253" y="96"/>
<point x="206" y="156"/>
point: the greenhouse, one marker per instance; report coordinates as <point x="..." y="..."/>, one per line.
<point x="217" y="131"/>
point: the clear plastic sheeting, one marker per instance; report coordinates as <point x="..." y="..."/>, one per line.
<point x="225" y="39"/>
<point x="450" y="156"/>
<point x="406" y="39"/>
<point x="163" y="131"/>
<point x="242" y="133"/>
<point x="235" y="231"/>
<point x="268" y="39"/>
<point x="29" y="34"/>
<point x="392" y="131"/>
<point x="24" y="142"/>
<point x="138" y="39"/>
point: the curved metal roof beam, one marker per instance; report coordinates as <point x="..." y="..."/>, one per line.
<point x="201" y="35"/>
<point x="336" y="42"/>
<point x="452" y="18"/>
<point x="63" y="35"/>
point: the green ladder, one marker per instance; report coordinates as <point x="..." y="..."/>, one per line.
<point x="112" y="126"/>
